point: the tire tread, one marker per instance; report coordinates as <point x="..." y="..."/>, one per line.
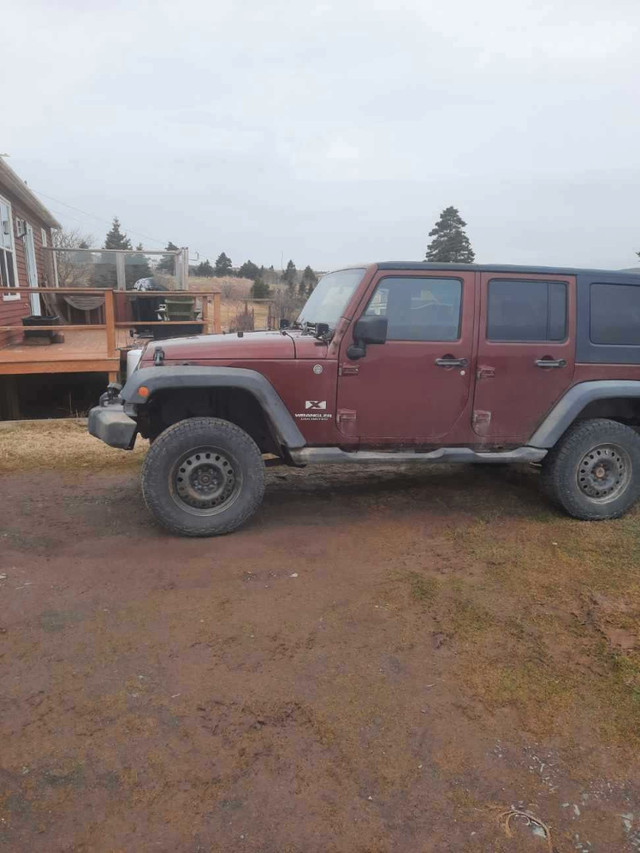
<point x="558" y="468"/>
<point x="169" y="516"/>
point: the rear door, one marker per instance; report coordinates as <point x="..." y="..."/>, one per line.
<point x="416" y="387"/>
<point x="526" y="352"/>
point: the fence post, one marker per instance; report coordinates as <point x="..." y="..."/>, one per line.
<point x="217" y="313"/>
<point x="110" y="323"/>
<point x="121" y="275"/>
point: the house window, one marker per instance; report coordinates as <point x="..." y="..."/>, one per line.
<point x="527" y="310"/>
<point x="418" y="309"/>
<point x="8" y="270"/>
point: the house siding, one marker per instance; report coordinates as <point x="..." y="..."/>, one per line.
<point x="13" y="310"/>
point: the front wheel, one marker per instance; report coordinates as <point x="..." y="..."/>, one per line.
<point x="203" y="477"/>
<point x="594" y="470"/>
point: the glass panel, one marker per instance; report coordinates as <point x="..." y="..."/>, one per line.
<point x="615" y="314"/>
<point x="526" y="310"/>
<point x="7" y="272"/>
<point x="6" y="237"/>
<point x="418" y="309"/>
<point x="330" y="297"/>
<point x="86" y="269"/>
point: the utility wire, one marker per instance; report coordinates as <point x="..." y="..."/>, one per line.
<point x="99" y="218"/>
<point x="106" y="222"/>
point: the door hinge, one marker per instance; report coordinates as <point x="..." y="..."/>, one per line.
<point x="348" y="370"/>
<point x="481" y="421"/>
<point x="346" y="421"/>
<point x="484" y="372"/>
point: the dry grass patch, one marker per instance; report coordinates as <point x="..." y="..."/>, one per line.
<point x="545" y="621"/>
<point x="61" y="445"/>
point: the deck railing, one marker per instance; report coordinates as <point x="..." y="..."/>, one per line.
<point x="209" y="311"/>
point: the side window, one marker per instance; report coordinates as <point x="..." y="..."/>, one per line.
<point x="7" y="249"/>
<point x="526" y="310"/>
<point x="418" y="309"/>
<point x="615" y="314"/>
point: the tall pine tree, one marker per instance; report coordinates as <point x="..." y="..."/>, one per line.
<point x="115" y="239"/>
<point x="223" y="265"/>
<point x="136" y="266"/>
<point x="167" y="263"/>
<point x="289" y="276"/>
<point x="450" y="244"/>
<point x="308" y="282"/>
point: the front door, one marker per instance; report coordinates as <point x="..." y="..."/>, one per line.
<point x="32" y="271"/>
<point x="415" y="388"/>
<point x="526" y="352"/>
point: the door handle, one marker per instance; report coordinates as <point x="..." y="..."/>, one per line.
<point x="450" y="361"/>
<point x="546" y="363"/>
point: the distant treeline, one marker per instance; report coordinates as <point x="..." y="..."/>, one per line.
<point x="298" y="283"/>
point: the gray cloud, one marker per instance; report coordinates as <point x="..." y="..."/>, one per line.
<point x="334" y="132"/>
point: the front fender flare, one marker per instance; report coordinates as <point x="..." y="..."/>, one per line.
<point x="192" y="376"/>
<point x="567" y="409"/>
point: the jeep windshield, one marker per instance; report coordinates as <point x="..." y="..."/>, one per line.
<point x="330" y="297"/>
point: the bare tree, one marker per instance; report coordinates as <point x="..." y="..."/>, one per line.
<point x="286" y="304"/>
<point x="74" y="268"/>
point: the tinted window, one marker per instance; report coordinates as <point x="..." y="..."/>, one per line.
<point x="527" y="310"/>
<point x="615" y="314"/>
<point x="419" y="309"/>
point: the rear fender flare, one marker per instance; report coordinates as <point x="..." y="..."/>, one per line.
<point x="191" y="376"/>
<point x="568" y="408"/>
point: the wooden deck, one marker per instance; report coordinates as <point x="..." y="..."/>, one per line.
<point x="81" y="352"/>
<point x="95" y="348"/>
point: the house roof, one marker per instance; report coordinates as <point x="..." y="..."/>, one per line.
<point x="10" y="181"/>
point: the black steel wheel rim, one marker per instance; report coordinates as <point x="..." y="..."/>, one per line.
<point x="604" y="472"/>
<point x="205" y="481"/>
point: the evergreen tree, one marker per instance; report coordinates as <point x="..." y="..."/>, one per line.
<point x="136" y="266"/>
<point x="309" y="281"/>
<point x="289" y="276"/>
<point x="167" y="263"/>
<point x="223" y="265"/>
<point x="450" y="244"/>
<point x="204" y="269"/>
<point x="115" y="239"/>
<point x="249" y="270"/>
<point x="260" y="290"/>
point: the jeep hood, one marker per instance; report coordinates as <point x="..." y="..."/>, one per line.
<point x="231" y="347"/>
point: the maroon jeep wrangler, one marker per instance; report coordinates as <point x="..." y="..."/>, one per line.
<point x="397" y="362"/>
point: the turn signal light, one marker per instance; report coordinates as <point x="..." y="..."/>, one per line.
<point x="143" y="391"/>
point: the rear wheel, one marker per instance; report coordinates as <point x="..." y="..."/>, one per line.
<point x="203" y="477"/>
<point x="593" y="472"/>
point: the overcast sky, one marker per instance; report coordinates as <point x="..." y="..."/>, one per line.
<point x="333" y="132"/>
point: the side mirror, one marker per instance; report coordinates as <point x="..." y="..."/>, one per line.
<point x="368" y="330"/>
<point x="371" y="330"/>
<point x="284" y="323"/>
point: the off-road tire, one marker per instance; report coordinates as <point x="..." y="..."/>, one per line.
<point x="567" y="470"/>
<point x="228" y="448"/>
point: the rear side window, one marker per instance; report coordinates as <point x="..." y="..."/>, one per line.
<point x="615" y="314"/>
<point x="418" y="309"/>
<point x="526" y="310"/>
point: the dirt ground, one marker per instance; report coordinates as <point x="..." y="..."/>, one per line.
<point x="382" y="660"/>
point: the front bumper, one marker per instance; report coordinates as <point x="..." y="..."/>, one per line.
<point x="110" y="424"/>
